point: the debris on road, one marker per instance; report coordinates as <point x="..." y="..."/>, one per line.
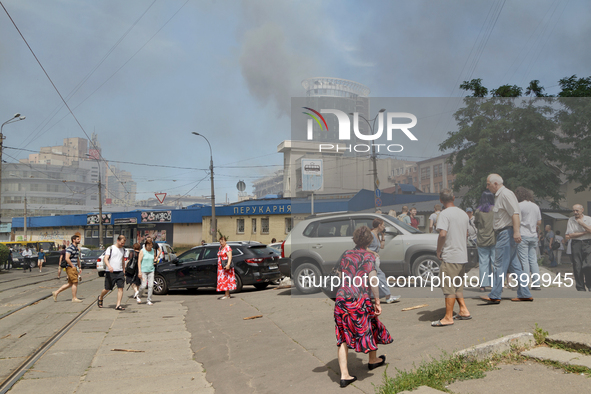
<point x="252" y="317"/>
<point x="128" y="350"/>
<point x="414" y="307"/>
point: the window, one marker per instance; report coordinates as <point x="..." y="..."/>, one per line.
<point x="95" y="233"/>
<point x="449" y="168"/>
<point x="209" y="253"/>
<point x="264" y="225"/>
<point x="425" y="173"/>
<point x="254" y="226"/>
<point x="240" y="226"/>
<point x="191" y="255"/>
<point x="287" y="225"/>
<point x="88" y="234"/>
<point x="338" y="228"/>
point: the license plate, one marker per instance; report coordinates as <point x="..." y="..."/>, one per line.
<point x="273" y="266"/>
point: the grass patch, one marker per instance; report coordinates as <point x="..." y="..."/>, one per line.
<point x="540" y="335"/>
<point x="436" y="374"/>
<point x="586" y="352"/>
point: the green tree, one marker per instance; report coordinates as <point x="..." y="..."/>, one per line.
<point x="574" y="118"/>
<point x="506" y="135"/>
<point x="4" y="250"/>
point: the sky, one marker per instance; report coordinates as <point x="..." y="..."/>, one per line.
<point x="145" y="74"/>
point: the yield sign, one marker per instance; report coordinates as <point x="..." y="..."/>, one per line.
<point x="160" y="197"/>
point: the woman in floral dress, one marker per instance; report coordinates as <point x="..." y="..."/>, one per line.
<point x="226" y="276"/>
<point x="356" y="318"/>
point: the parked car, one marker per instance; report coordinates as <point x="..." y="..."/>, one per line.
<point x="88" y="258"/>
<point x="255" y="264"/>
<point x="315" y="245"/>
<point x="169" y="254"/>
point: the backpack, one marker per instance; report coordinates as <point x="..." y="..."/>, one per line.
<point x="402" y="216"/>
<point x="131" y="267"/>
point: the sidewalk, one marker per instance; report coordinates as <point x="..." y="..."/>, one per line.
<point x="84" y="359"/>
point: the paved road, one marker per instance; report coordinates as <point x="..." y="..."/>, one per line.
<point x="291" y="349"/>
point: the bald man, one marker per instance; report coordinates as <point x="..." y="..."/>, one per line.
<point x="578" y="229"/>
<point x="507" y="226"/>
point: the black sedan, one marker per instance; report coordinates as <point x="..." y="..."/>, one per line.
<point x="255" y="264"/>
<point x="88" y="258"/>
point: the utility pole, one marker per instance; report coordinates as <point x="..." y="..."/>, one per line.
<point x="26" y="238"/>
<point x="100" y="196"/>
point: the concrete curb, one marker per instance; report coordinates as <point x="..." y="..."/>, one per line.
<point x="500" y="345"/>
<point x="573" y="340"/>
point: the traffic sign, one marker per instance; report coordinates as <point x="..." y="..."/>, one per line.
<point x="378" y="193"/>
<point x="377" y="182"/>
<point x="160" y="197"/>
<point x="378" y="202"/>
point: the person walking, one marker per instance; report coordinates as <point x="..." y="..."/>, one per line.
<point x="61" y="265"/>
<point x="8" y="261"/>
<point x="378" y="243"/>
<point x="507" y="227"/>
<point x="132" y="270"/>
<point x="558" y="238"/>
<point x="548" y="241"/>
<point x="27" y="257"/>
<point x="531" y="219"/>
<point x="472" y="230"/>
<point x="40" y="259"/>
<point x="146" y="259"/>
<point x="485" y="238"/>
<point x="403" y="217"/>
<point x="578" y="229"/>
<point x="357" y="325"/>
<point x="433" y="218"/>
<point x="452" y="251"/>
<point x="413" y="220"/>
<point x="73" y="269"/>
<point x="226" y="275"/>
<point x="115" y="264"/>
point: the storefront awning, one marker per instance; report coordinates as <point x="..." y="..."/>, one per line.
<point x="556" y="216"/>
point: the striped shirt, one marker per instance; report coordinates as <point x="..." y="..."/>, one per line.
<point x="73" y="251"/>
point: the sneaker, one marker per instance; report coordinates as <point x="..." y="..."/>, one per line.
<point x="77" y="300"/>
<point x="392" y="299"/>
<point x="139" y="300"/>
<point x="137" y="293"/>
<point x="150" y="303"/>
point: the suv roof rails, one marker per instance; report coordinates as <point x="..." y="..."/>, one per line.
<point x="317" y="215"/>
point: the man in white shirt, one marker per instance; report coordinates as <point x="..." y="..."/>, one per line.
<point x="531" y="219"/>
<point x="472" y="232"/>
<point x="452" y="251"/>
<point x="433" y="218"/>
<point x="507" y="226"/>
<point x="27" y="257"/>
<point x="578" y="229"/>
<point x="115" y="266"/>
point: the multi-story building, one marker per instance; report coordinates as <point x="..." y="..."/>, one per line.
<point x="73" y="149"/>
<point x="272" y="184"/>
<point x="435" y="174"/>
<point x="121" y="187"/>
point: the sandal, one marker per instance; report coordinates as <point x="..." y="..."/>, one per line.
<point x="99" y="302"/>
<point x="119" y="308"/>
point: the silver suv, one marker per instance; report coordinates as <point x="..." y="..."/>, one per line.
<point x="316" y="244"/>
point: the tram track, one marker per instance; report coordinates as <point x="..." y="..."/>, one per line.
<point x="34" y="356"/>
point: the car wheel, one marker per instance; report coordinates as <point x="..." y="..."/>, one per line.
<point x="261" y="286"/>
<point x="426" y="267"/>
<point x="101" y="273"/>
<point x="306" y="275"/>
<point x="239" y="284"/>
<point x="160" y="286"/>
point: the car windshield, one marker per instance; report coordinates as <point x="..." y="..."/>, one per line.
<point x="92" y="253"/>
<point x="405" y="226"/>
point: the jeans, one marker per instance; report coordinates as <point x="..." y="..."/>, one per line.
<point x="147" y="278"/>
<point x="486" y="260"/>
<point x="526" y="251"/>
<point x="505" y="259"/>
<point x="551" y="256"/>
<point x="383" y="286"/>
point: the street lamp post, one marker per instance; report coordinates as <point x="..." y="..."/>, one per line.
<point x="100" y="197"/>
<point x="15" y="118"/>
<point x="213" y="221"/>
<point x="373" y="152"/>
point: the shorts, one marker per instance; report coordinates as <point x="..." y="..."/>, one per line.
<point x="447" y="273"/>
<point x="133" y="280"/>
<point x="72" y="275"/>
<point x="114" y="278"/>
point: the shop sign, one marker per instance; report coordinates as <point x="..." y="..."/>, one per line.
<point x="125" y="221"/>
<point x="94" y="218"/>
<point x="156" y="216"/>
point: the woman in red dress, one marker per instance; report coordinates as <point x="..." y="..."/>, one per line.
<point x="357" y="325"/>
<point x="226" y="277"/>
